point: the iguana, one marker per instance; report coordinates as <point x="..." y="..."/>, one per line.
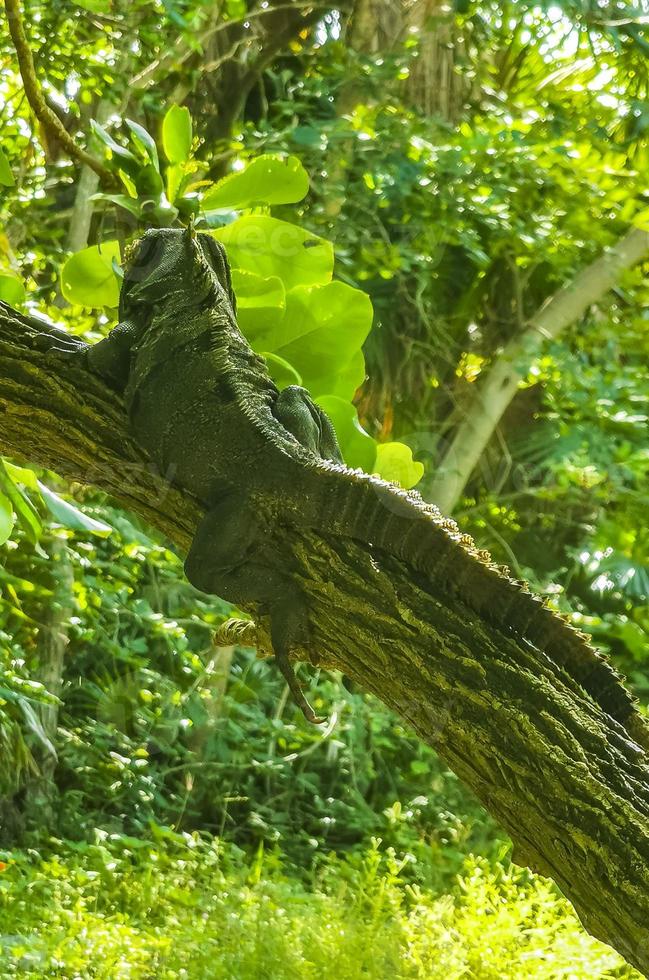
<point x="203" y="406"/>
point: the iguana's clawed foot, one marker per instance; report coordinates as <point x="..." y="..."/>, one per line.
<point x="57" y="342"/>
<point x="289" y="629"/>
<point x="296" y="689"/>
<point x="243" y="632"/>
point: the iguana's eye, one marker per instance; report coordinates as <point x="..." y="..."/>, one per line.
<point x="141" y="257"/>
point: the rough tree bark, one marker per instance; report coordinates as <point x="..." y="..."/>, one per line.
<point x="560" y="776"/>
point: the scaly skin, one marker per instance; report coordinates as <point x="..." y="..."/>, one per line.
<point x="204" y="407"/>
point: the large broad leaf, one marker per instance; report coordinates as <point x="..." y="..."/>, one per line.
<point x="177" y="134"/>
<point x="270" y="247"/>
<point x="71" y="516"/>
<point x="6" y="176"/>
<point x="357" y="446"/>
<point x="7" y="518"/>
<point x="261" y="302"/>
<point x="321" y="335"/>
<point x="12" y="290"/>
<point x="341" y="383"/>
<point x="394" y="462"/>
<point x="344" y="380"/>
<point x="88" y="277"/>
<point x="282" y="373"/>
<point x="268" y="179"/>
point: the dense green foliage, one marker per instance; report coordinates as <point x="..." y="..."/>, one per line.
<point x="458" y="221"/>
<point x="122" y="908"/>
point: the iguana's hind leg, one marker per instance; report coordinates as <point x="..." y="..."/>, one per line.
<point x="305" y="420"/>
<point x="224" y="560"/>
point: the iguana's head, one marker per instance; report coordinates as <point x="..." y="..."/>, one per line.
<point x="168" y="262"/>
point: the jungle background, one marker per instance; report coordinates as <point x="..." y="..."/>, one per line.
<point x="165" y="810"/>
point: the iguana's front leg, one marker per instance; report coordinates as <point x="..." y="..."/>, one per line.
<point x="55" y="341"/>
<point x="110" y="358"/>
<point x="223" y="560"/>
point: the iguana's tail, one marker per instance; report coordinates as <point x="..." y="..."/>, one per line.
<point x="353" y="504"/>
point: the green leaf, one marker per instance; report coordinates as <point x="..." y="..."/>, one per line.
<point x="34" y="723"/>
<point x="121" y="200"/>
<point x="145" y="142"/>
<point x="346" y="379"/>
<point x="268" y="179"/>
<point x="126" y="158"/>
<point x="177" y="134"/>
<point x="419" y="768"/>
<point x="129" y="184"/>
<point x="22" y="505"/>
<point x="6" y="176"/>
<point x="12" y="290"/>
<point x="149" y="183"/>
<point x="357" y="446"/>
<point x="261" y="302"/>
<point x="29" y="690"/>
<point x="394" y="462"/>
<point x="321" y="335"/>
<point x="174" y="177"/>
<point x="20" y="474"/>
<point x="88" y="278"/>
<point x="7" y="518"/>
<point x="270" y="247"/>
<point x="71" y="516"/>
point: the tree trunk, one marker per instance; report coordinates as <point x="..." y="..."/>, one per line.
<point x="560" y="775"/>
<point x="433" y="86"/>
<point x="511" y="365"/>
<point x="87" y="185"/>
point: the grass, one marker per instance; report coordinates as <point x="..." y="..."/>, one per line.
<point x="182" y="907"/>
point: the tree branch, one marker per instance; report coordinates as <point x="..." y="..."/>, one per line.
<point x="561" y="776"/>
<point x="501" y="383"/>
<point x="53" y="128"/>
